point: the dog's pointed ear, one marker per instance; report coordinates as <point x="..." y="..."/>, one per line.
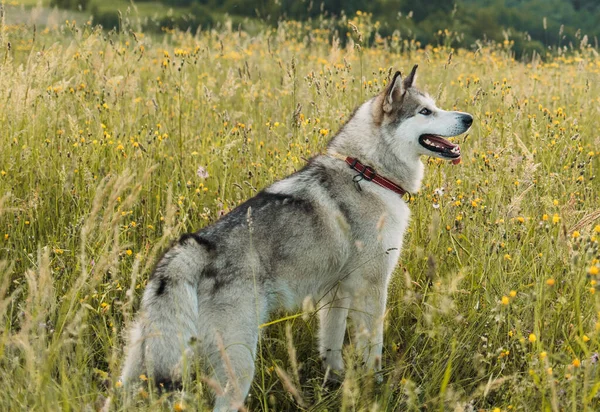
<point x="393" y="93"/>
<point x="409" y="81"/>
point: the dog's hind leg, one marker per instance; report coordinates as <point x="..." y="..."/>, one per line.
<point x="230" y="345"/>
<point x="331" y="333"/>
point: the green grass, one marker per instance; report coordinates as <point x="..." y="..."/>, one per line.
<point x="28" y="3"/>
<point x="145" y="8"/>
<point x="493" y="304"/>
<point x="135" y="11"/>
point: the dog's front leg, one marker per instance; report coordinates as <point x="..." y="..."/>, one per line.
<point x="367" y="313"/>
<point x="333" y="317"/>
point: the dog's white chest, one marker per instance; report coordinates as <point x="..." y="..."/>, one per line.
<point x="393" y="226"/>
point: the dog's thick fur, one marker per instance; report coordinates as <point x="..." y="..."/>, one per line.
<point x="312" y="234"/>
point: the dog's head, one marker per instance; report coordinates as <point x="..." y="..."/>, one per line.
<point x="413" y="125"/>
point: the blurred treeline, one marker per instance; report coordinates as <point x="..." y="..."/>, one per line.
<point x="530" y="25"/>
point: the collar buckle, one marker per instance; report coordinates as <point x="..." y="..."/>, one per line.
<point x="370" y="175"/>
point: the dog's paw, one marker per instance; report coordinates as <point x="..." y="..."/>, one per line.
<point x="333" y="377"/>
<point x="378" y="377"/>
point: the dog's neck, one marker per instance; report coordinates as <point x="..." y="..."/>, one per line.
<point x="361" y="139"/>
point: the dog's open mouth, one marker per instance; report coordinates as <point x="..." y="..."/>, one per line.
<point x="440" y="145"/>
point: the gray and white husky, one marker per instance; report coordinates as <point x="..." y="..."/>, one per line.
<point x="331" y="232"/>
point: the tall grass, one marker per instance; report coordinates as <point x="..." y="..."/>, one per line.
<point x="114" y="143"/>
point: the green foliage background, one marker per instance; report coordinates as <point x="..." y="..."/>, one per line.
<point x="531" y="24"/>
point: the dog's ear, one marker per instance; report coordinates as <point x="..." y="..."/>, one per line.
<point x="410" y="79"/>
<point x="393" y="93"/>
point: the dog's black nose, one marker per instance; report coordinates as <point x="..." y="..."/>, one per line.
<point x="467" y="119"/>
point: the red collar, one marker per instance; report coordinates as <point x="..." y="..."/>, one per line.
<point x="370" y="175"/>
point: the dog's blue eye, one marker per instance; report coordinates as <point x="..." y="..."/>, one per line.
<point x="425" y="111"/>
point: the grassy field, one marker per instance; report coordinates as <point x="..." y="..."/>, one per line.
<point x="145" y="8"/>
<point x="40" y="13"/>
<point x="106" y="138"/>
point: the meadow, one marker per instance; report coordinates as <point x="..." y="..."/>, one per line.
<point x="115" y="143"/>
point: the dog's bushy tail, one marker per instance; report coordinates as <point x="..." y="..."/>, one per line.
<point x="168" y="320"/>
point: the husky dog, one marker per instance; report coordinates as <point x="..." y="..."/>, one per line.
<point x="332" y="232"/>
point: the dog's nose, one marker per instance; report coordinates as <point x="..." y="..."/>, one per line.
<point x="467" y="119"/>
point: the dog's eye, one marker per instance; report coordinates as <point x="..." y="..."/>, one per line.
<point x="425" y="111"/>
